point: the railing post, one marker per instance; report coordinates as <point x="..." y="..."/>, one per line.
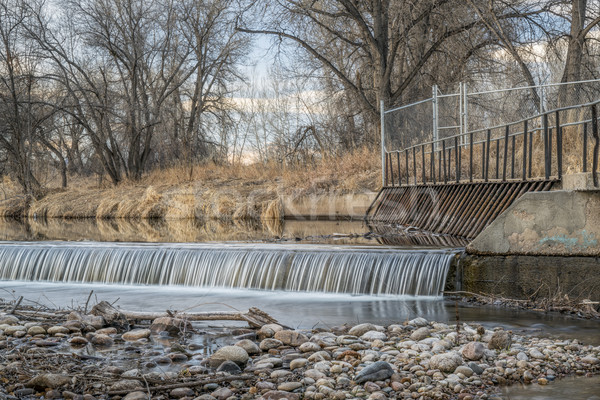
<point x="506" y="133"/>
<point x="433" y="163"/>
<point x="471" y="157"/>
<point x="415" y="163"/>
<point x="487" y="155"/>
<point x="546" y="148"/>
<point x="444" y="160"/>
<point x="434" y="103"/>
<point x="585" y="145"/>
<point x="558" y="145"/>
<point x="596" y="144"/>
<point x="399" y="172"/>
<point x="382" y="122"/>
<point x="525" y="135"/>
<point x="407" y="170"/>
<point x="456" y="159"/>
<point x="391" y="169"/>
<point x="423" y="163"/>
<point x="512" y="158"/>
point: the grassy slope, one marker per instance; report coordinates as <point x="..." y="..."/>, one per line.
<point x="204" y="191"/>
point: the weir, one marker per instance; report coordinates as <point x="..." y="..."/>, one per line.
<point x="297" y="268"/>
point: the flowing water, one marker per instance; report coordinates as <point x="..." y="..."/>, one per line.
<point x="305" y="274"/>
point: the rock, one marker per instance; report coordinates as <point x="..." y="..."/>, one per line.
<point x="36" y="330"/>
<point x="475" y="368"/>
<point x="290" y="338"/>
<point x="132" y="373"/>
<point x="590" y="360"/>
<point x="522" y="356"/>
<point x="95" y="321"/>
<point x="309" y="347"/>
<point x="249" y="346"/>
<point x="52" y="381"/>
<point x="229" y="367"/>
<point x="445" y="362"/>
<point x="361" y="329"/>
<point x="418" y="322"/>
<point x="102" y="340"/>
<point x="126" y="384"/>
<point x="280" y="395"/>
<point x="107" y="331"/>
<point x="314" y="374"/>
<point x="78" y="341"/>
<point x="466" y="371"/>
<point x="298" y="363"/>
<point x="9" y="320"/>
<point x="420" y="334"/>
<point x="136" y="334"/>
<point x="500" y="340"/>
<point x="542" y="381"/>
<point x="172" y="325"/>
<point x="229" y="353"/>
<point x="53" y="330"/>
<point x="373" y="335"/>
<point x="268" y="344"/>
<point x="473" y="351"/>
<point x="222" y="393"/>
<point x="268" y="331"/>
<point x="289" y="386"/>
<point x="12" y="330"/>
<point x="178" y="393"/>
<point x="137" y="395"/>
<point x="378" y="371"/>
<point x="538" y="355"/>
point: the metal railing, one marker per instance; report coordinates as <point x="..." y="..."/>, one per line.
<point x="533" y="148"/>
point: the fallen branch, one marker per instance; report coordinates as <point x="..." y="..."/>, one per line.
<point x="254" y="317"/>
<point x="12" y="311"/>
<point x="186" y="384"/>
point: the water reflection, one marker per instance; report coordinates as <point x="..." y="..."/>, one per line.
<point x="186" y="230"/>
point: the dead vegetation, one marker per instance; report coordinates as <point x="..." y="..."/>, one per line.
<point x="207" y="191"/>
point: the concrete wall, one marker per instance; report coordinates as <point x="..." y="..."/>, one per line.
<point x="561" y="223"/>
<point x="328" y="206"/>
<point x="521" y="277"/>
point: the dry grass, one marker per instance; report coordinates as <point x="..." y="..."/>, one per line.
<point x="206" y="191"/>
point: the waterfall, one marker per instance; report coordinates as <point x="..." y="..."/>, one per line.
<point x="294" y="268"/>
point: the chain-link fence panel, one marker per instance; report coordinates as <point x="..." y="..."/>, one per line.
<point x="410" y="125"/>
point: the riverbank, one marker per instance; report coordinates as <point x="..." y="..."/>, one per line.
<point x="73" y="354"/>
<point x="206" y="191"/>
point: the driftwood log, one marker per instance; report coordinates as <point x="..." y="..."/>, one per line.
<point x="254" y="317"/>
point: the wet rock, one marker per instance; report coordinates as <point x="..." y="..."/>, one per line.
<point x="229" y="353"/>
<point x="500" y="340"/>
<point x="177" y="357"/>
<point x="446" y="362"/>
<point x="173" y="326"/>
<point x="298" y="363"/>
<point x="536" y="354"/>
<point x="178" y="393"/>
<point x="51" y="381"/>
<point x="418" y="322"/>
<point x="466" y="371"/>
<point x="107" y="331"/>
<point x="268" y="331"/>
<point x="473" y="351"/>
<point x="373" y="335"/>
<point x="12" y="330"/>
<point x="8" y="320"/>
<point x="309" y="347"/>
<point x="361" y="329"/>
<point x="420" y="334"/>
<point x="590" y="360"/>
<point x="78" y="341"/>
<point x="36" y="330"/>
<point x="249" y="346"/>
<point x="289" y="386"/>
<point x="102" y="340"/>
<point x="137" y="395"/>
<point x="24" y="392"/>
<point x="95" y="321"/>
<point x="268" y="344"/>
<point x="280" y="395"/>
<point x="222" y="393"/>
<point x="229" y="367"/>
<point x="314" y="374"/>
<point x="290" y="338"/>
<point x="377" y="371"/>
<point x="136" y="334"/>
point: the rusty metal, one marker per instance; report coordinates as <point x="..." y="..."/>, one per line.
<point x="525" y="136"/>
<point x="505" y="164"/>
<point x="399" y="172"/>
<point x="596" y="144"/>
<point x="585" y="147"/>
